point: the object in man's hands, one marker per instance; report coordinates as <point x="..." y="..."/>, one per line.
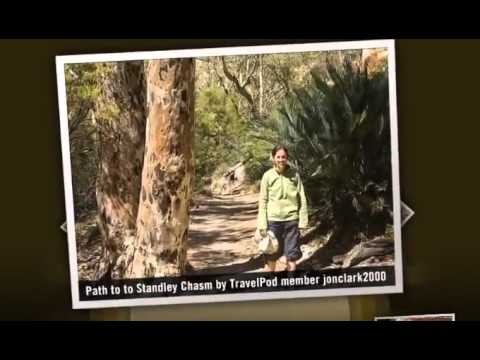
<point x="259" y="234"/>
<point x="268" y="244"/>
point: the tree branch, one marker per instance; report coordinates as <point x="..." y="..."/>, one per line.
<point x="241" y="89"/>
<point x="80" y="117"/>
<point x="249" y="76"/>
<point x="225" y="87"/>
<point x="280" y="79"/>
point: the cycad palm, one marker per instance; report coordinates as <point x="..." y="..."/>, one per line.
<point x="337" y="130"/>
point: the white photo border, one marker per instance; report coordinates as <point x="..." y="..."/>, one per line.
<point x="61" y="61"/>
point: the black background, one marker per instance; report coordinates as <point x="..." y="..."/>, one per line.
<point x="439" y="126"/>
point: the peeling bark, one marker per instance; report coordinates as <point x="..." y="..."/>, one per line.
<point x="159" y="247"/>
<point x="120" y="117"/>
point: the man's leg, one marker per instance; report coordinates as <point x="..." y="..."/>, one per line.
<point x="292" y="245"/>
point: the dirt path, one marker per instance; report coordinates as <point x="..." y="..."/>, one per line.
<point x="221" y="241"/>
<point x="221" y="232"/>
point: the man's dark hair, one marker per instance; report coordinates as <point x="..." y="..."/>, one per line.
<point x="278" y="148"/>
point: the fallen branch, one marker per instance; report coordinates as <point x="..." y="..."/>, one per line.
<point x="376" y="247"/>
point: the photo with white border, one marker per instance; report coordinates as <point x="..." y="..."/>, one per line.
<point x="231" y="174"/>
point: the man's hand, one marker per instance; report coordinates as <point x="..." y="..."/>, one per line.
<point x="260" y="233"/>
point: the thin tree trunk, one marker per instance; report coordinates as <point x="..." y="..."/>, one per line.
<point x="159" y="248"/>
<point x="120" y="118"/>
<point x="261" y="86"/>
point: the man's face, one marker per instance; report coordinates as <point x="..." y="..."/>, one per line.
<point x="280" y="159"/>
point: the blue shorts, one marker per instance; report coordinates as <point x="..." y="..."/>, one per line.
<point x="288" y="237"/>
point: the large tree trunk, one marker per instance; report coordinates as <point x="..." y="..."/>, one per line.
<point x="120" y="118"/>
<point x="159" y="248"/>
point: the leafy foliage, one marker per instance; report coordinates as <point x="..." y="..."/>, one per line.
<point x="236" y="96"/>
<point x="329" y="111"/>
<point x="222" y="136"/>
<point x="82" y="91"/>
<point x="338" y="133"/>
